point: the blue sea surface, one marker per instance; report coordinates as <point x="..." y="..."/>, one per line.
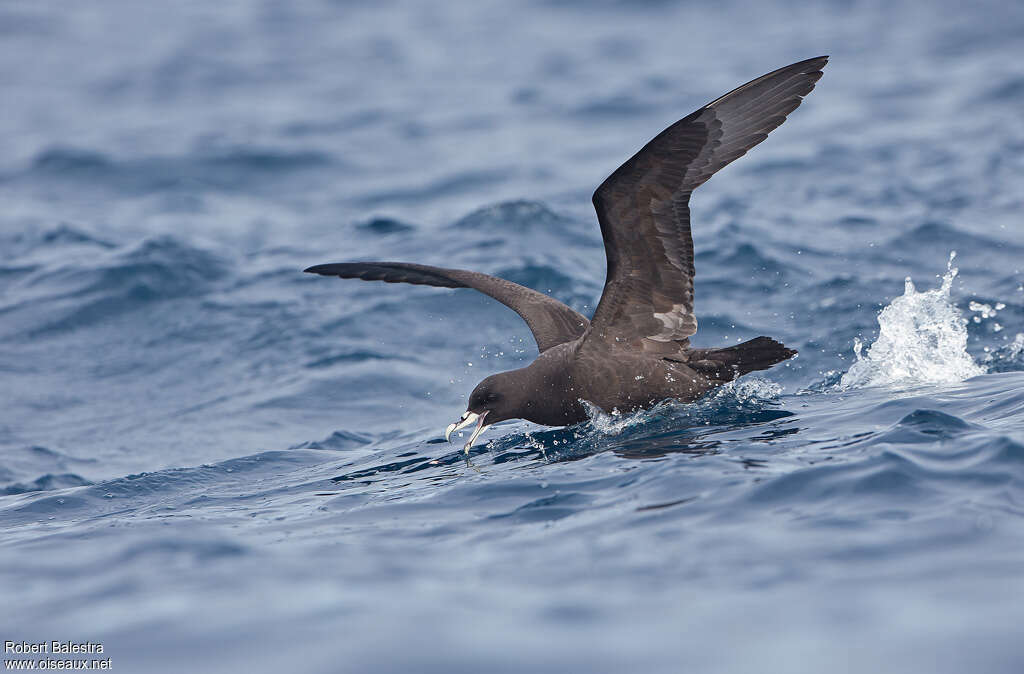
<point x="210" y="461"/>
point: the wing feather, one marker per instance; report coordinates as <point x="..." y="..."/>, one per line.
<point x="644" y="210"/>
<point x="551" y="322"/>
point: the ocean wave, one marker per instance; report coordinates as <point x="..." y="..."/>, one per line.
<point x="64" y="235"/>
<point x="20" y="467"/>
<point x="925" y="426"/>
<point x="73" y="293"/>
<point x="550" y="281"/>
<point x="159" y="267"/>
<point x="743" y="256"/>
<point x="223" y="169"/>
<point x="384" y="226"/>
<point x="177" y="546"/>
<point x="46" y="482"/>
<point x="1011" y="89"/>
<point x="338" y="440"/>
<point x="175" y="487"/>
<point x="352" y="356"/>
<point x="524" y="217"/>
<point x="937" y="238"/>
<point x="449" y="185"/>
<point x="913" y="461"/>
<point x="33" y="245"/>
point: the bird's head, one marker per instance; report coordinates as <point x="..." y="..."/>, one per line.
<point x="496" y="398"/>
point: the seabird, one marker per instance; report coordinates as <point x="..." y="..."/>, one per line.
<point x="635" y="351"/>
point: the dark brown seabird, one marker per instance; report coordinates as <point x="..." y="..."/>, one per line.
<point x="636" y="349"/>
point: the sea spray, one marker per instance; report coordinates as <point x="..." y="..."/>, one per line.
<point x="719" y="405"/>
<point x="749" y="390"/>
<point x="614" y="422"/>
<point x="1008" y="358"/>
<point x="922" y="340"/>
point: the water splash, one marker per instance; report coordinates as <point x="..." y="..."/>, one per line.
<point x="750" y="390"/>
<point x="1009" y="358"/>
<point x="615" y="422"/>
<point x="922" y="340"/>
<point x="719" y="405"/>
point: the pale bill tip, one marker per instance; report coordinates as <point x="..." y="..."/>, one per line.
<point x="466" y="419"/>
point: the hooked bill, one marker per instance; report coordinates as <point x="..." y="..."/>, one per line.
<point x="467" y="419"/>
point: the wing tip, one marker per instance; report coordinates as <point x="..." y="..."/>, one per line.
<point x="811" y="67"/>
<point x="819" y="61"/>
<point x="815" y="68"/>
<point x="322" y="269"/>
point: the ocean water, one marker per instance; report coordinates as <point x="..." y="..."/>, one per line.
<point x="210" y="461"/>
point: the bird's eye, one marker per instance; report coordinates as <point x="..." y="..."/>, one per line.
<point x="492" y="398"/>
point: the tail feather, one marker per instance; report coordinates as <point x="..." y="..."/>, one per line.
<point x="726" y="364"/>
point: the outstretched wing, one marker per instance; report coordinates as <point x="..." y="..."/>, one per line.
<point x="551" y="322"/>
<point x="644" y="211"/>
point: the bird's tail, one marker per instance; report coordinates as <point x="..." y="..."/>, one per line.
<point x="726" y="364"/>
